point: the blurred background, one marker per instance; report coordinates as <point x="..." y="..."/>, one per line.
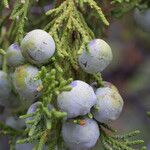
<point x="129" y="71"/>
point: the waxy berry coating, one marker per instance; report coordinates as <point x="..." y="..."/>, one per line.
<point x="33" y="108"/>
<point x="14" y="56"/>
<point x="15" y="122"/>
<point x="97" y="58"/>
<point x="25" y="146"/>
<point x="78" y="101"/>
<point x="38" y="47"/>
<point x="80" y="137"/>
<point x="25" y="84"/>
<point x="28" y="146"/>
<point x="109" y="104"/>
<point x="5" y="88"/>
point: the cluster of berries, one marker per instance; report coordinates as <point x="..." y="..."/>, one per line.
<point x="36" y="49"/>
<point x="104" y="103"/>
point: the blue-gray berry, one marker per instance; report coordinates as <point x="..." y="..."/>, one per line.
<point x="109" y="104"/>
<point x="15" y="122"/>
<point x="97" y="58"/>
<point x="14" y="56"/>
<point x="38" y="47"/>
<point x="5" y="88"/>
<point x="33" y="108"/>
<point x="25" y="84"/>
<point x="16" y="104"/>
<point x="28" y="146"/>
<point x="25" y="146"/>
<point x="13" y="102"/>
<point x="80" y="137"/>
<point x="78" y="101"/>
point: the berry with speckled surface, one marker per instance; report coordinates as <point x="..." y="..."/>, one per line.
<point x="97" y="58"/>
<point x="109" y="104"/>
<point x="80" y="137"/>
<point x="38" y="47"/>
<point x="78" y="101"/>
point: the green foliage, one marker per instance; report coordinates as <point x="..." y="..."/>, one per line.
<point x="5" y="3"/>
<point x="19" y="17"/>
<point x="19" y="13"/>
<point x="69" y="27"/>
<point x="2" y="52"/>
<point x="47" y="123"/>
<point x="119" y="1"/>
<point x="71" y="33"/>
<point x="123" y="6"/>
<point x="114" y="141"/>
<point x="53" y="83"/>
<point x="13" y="134"/>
